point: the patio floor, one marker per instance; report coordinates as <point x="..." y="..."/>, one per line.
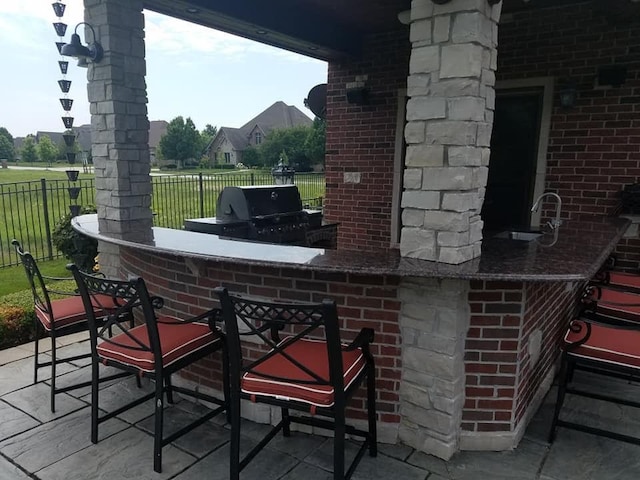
<point x="35" y="444"/>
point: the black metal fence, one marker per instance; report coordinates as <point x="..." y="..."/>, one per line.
<point x="30" y="210"/>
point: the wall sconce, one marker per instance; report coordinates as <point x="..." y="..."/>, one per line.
<point x="93" y="51"/>
<point x="568" y="95"/>
<point x="357" y="92"/>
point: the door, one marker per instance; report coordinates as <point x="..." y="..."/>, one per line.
<point x="514" y="155"/>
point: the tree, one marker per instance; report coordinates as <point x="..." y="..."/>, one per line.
<point x="6" y="148"/>
<point x="63" y="149"/>
<point x="181" y="142"/>
<point x="206" y="136"/>
<point x="29" y="153"/>
<point x="210" y="130"/>
<point x="315" y="143"/>
<point x="291" y="141"/>
<point x="251" y="157"/>
<point x="47" y="150"/>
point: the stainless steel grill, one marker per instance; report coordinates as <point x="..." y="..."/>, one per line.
<point x="271" y="213"/>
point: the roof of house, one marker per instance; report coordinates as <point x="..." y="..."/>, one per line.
<point x="55" y="137"/>
<point x="83" y="136"/>
<point x="278" y="115"/>
<point x="157" y="128"/>
<point x="18" y="142"/>
<point x="236" y="136"/>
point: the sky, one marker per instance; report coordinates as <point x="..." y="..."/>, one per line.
<point x="213" y="77"/>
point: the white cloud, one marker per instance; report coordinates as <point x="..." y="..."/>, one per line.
<point x="229" y="78"/>
<point x="176" y="37"/>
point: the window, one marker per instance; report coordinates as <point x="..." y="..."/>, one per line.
<point x="227" y="157"/>
<point x="258" y="138"/>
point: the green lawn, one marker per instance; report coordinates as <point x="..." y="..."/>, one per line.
<point x="8" y="175"/>
<point x="176" y="197"/>
<point x="14" y="279"/>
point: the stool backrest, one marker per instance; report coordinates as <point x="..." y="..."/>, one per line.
<point x="279" y="326"/>
<point x="41" y="298"/>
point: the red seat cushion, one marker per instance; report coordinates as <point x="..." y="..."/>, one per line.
<point x="69" y="311"/>
<point x="623" y="279"/>
<point x="614" y="346"/>
<point x="313" y="355"/>
<point x="177" y="340"/>
<point x="619" y="304"/>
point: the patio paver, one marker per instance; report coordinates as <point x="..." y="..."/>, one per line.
<point x="38" y="445"/>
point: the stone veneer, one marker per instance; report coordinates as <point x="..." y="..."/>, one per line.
<point x="119" y="124"/>
<point x="449" y="122"/>
<point x="434" y="319"/>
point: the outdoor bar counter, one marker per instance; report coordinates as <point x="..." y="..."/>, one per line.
<point x="465" y="353"/>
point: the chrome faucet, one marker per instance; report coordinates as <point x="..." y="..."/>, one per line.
<point x="554" y="223"/>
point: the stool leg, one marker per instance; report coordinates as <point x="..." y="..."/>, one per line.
<point x="563" y="378"/>
<point x="53" y="372"/>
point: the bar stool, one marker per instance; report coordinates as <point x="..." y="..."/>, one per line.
<point x="55" y="319"/>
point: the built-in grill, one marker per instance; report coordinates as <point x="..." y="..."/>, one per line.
<point x="271" y="213"/>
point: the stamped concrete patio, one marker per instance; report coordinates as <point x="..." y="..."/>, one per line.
<point x="35" y="444"/>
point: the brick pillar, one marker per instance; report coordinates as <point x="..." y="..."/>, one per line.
<point x="120" y="127"/>
<point x="434" y="321"/>
<point x="449" y="121"/>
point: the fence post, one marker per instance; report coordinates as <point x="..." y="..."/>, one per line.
<point x="201" y="185"/>
<point x="47" y="225"/>
<point x="252" y="180"/>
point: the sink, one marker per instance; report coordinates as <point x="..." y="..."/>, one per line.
<point x="518" y="235"/>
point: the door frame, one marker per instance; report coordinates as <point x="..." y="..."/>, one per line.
<point x="398" y="169"/>
<point x="547" y="84"/>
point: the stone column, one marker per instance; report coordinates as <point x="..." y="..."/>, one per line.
<point x="449" y="122"/>
<point x="434" y="321"/>
<point x="120" y="127"/>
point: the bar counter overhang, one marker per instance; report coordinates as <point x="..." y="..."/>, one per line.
<point x="576" y="253"/>
<point x="465" y="353"/>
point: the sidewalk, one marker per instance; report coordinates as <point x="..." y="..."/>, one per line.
<point x="36" y="444"/>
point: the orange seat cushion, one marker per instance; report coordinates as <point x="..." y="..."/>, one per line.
<point x="176" y="341"/>
<point x="69" y="311"/>
<point x="314" y="356"/>
<point x="612" y="302"/>
<point x="614" y="346"/>
<point x="623" y="279"/>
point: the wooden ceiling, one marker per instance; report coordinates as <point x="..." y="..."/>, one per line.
<point x="325" y="29"/>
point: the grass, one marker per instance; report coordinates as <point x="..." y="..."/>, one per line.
<point x="14" y="279"/>
<point x="7" y="175"/>
<point x="175" y="198"/>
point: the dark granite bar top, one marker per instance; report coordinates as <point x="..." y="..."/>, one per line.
<point x="574" y="252"/>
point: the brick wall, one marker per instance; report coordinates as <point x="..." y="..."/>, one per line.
<point x="501" y="379"/>
<point x="363" y="301"/>
<point x="361" y="139"/>
<point x="594" y="147"/>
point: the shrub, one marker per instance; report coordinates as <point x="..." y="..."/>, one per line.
<point x="16" y="325"/>
<point x="78" y="248"/>
<point x="17" y="315"/>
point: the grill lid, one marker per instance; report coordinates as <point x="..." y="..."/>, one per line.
<point x="246" y="203"/>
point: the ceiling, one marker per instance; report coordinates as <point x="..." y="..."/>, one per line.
<point x="324" y="29"/>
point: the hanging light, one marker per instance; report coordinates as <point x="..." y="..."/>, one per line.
<point x="93" y="51"/>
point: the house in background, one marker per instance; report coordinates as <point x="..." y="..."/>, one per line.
<point x="157" y="129"/>
<point x="229" y="143"/>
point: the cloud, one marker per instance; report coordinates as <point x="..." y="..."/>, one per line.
<point x="28" y="24"/>
<point x="177" y="37"/>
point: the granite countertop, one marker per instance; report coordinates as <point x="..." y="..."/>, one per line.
<point x="574" y="252"/>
